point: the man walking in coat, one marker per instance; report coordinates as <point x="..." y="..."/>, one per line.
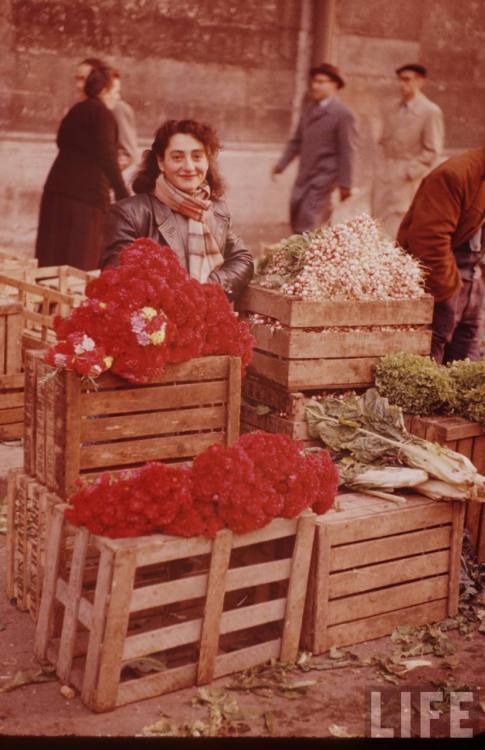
<point x="444" y="229"/>
<point x="410" y="146"/>
<point x="324" y="141"/>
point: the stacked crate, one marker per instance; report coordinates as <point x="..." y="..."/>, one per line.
<point x="467" y="438"/>
<point x="306" y="348"/>
<point x="200" y="608"/>
<point x="30" y="299"/>
<point x="44" y="293"/>
<point x="11" y="376"/>
<point x="76" y="430"/>
<point x="377" y="566"/>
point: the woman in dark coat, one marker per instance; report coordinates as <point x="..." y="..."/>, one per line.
<point x="178" y="203"/>
<point x="76" y="194"/>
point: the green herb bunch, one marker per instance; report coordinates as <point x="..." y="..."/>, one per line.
<point x="417" y="384"/>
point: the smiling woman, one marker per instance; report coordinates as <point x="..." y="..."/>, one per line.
<point x="178" y="203"/>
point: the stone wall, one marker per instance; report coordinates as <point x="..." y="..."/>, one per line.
<point x="240" y="65"/>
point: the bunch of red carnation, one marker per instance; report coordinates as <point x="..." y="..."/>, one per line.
<point x="144" y="313"/>
<point x="241" y="488"/>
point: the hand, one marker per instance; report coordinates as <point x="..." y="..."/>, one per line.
<point x="274" y="172"/>
<point x="345" y="193"/>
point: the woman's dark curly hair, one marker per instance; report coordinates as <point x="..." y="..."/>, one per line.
<point x="144" y="181"/>
<point x="101" y="77"/>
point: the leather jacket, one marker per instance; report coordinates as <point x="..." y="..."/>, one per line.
<point x="143" y="215"/>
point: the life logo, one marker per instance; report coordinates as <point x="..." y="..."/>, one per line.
<point x="392" y="712"/>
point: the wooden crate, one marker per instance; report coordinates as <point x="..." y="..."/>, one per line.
<point x="44" y="293"/>
<point x="16" y="265"/>
<point x="11" y="376"/>
<point x="377" y="565"/>
<point x="74" y="429"/>
<point x="199" y="624"/>
<point x="467" y="438"/>
<point x="298" y="357"/>
<point x="29" y="507"/>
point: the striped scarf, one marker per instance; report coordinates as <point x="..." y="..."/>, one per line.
<point x="204" y="254"/>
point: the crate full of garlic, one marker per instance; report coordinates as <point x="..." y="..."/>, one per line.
<point x="326" y="305"/>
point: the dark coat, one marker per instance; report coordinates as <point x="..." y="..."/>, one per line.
<point x="446" y="212"/>
<point x="86" y="166"/>
<point x="324" y="141"/>
<point x="144" y="215"/>
<point x="76" y="194"/>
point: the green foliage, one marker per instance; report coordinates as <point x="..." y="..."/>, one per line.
<point x="417" y="384"/>
<point x="466" y="376"/>
<point x="475" y="404"/>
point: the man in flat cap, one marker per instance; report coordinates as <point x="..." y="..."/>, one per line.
<point x="410" y="146"/>
<point x="324" y="142"/>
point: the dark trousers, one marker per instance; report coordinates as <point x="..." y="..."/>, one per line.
<point x="311" y="211"/>
<point x="456" y="324"/>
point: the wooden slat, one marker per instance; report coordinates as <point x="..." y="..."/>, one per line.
<point x="11" y="382"/>
<point x="377" y="626"/>
<point x="29" y="413"/>
<point x="156" y="684"/>
<point x="321" y="585"/>
<point x="3" y="340"/>
<point x="161" y="639"/>
<point x="405" y="519"/>
<point x="391" y="547"/>
<point x="312" y="314"/>
<point x="85" y="610"/>
<point x="12" y="477"/>
<point x="233" y="400"/>
<point x="294" y="343"/>
<point x="11" y="400"/>
<point x="68" y="431"/>
<point x="214" y="601"/>
<point x="97" y="625"/>
<point x="51" y="454"/>
<point x="9" y="416"/>
<point x="295" y="598"/>
<point x="246" y="658"/>
<point x="12" y="431"/>
<point x="42" y="370"/>
<point x="149" y="449"/>
<point x="155" y="423"/>
<point x="118" y="610"/>
<point x="13" y="343"/>
<point x="69" y="626"/>
<point x="156" y="398"/>
<point x="51" y="573"/>
<point x="315" y="373"/>
<point x="159" y="594"/>
<point x="255" y="614"/>
<point x="371" y="603"/>
<point x="274" y="423"/>
<point x="455" y="557"/>
<point x="388" y="573"/>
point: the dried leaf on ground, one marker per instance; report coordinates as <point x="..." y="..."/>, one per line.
<point x="338" y="730"/>
<point x="27" y="677"/>
<point x="451" y="662"/>
<point x="271" y="723"/>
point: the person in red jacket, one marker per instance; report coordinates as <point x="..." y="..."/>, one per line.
<point x="76" y="194"/>
<point x="444" y="230"/>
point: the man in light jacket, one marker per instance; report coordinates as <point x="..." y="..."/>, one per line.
<point x="324" y="141"/>
<point x="410" y="146"/>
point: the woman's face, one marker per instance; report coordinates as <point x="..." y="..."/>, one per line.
<point x="184" y="162"/>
